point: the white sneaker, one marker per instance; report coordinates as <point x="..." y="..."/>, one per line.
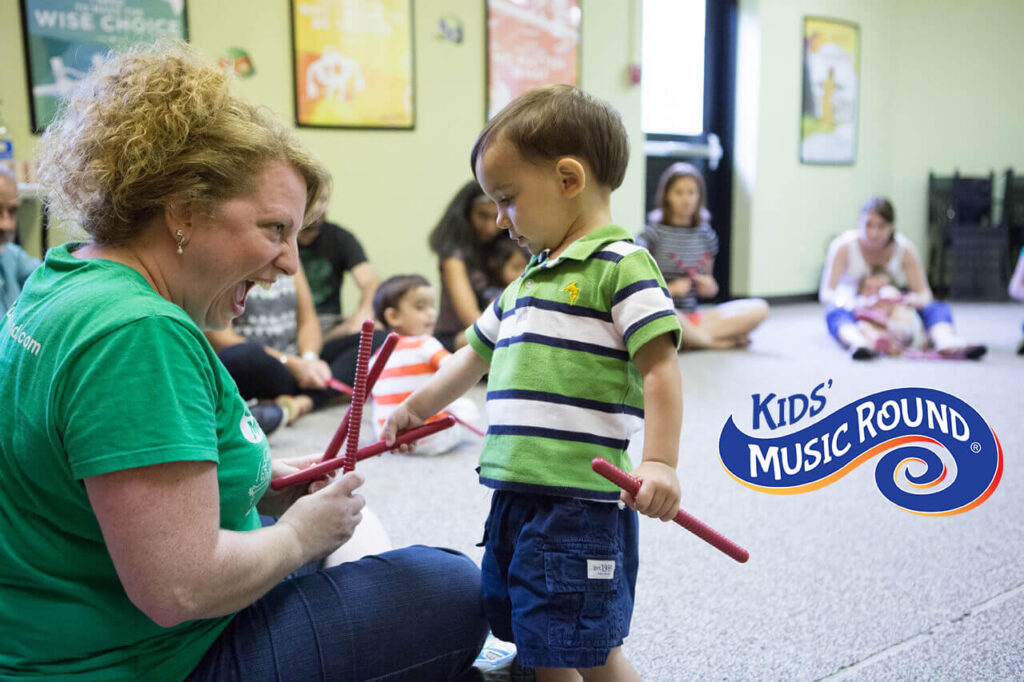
<point x="496" y="655"/>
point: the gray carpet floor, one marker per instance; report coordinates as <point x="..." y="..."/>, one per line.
<point x="841" y="583"/>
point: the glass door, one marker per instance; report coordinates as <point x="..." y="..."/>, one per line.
<point x="688" y="101"/>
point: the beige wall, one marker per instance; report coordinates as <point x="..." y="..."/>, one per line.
<point x="939" y="89"/>
<point x="390" y="186"/>
<point x="958" y="81"/>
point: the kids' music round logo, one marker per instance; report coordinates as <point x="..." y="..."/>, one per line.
<point x="937" y="455"/>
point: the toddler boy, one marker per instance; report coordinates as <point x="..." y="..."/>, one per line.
<point x="580" y="352"/>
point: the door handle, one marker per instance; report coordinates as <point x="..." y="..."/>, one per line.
<point x="710" y="150"/>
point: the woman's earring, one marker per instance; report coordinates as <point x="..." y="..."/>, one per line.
<point x="181" y="241"/>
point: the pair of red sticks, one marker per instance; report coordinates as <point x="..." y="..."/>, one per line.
<point x="690" y="270"/>
<point x="349" y="429"/>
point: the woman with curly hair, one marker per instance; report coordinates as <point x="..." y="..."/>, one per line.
<point x="134" y="476"/>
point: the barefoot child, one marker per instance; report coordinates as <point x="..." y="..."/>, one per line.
<point x="581" y="352"/>
<point x="405" y="304"/>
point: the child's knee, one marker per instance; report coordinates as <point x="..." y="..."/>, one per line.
<point x="760" y="309"/>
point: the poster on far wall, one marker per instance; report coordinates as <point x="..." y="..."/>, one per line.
<point x="831" y="90"/>
<point x="353" y="63"/>
<point x="530" y="43"/>
<point x="65" y="38"/>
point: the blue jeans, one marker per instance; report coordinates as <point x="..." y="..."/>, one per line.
<point x="932" y="314"/>
<point x="409" y="614"/>
<point x="259" y="375"/>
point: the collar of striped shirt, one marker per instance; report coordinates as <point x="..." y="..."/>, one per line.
<point x="582" y="248"/>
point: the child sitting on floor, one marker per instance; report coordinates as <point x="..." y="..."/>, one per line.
<point x="505" y="262"/>
<point x="890" y="324"/>
<point x="405" y="304"/>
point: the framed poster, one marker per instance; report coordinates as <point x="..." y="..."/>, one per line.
<point x="831" y="90"/>
<point x="530" y="43"/>
<point x="353" y="63"/>
<point x="64" y="38"/>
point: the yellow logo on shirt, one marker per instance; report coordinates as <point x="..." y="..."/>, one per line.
<point x="574" y="292"/>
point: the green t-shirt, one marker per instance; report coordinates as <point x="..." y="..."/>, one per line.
<point x="99" y="373"/>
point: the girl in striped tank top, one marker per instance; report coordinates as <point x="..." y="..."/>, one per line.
<point x="684" y="245"/>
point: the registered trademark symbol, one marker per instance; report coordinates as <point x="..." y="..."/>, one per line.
<point x="975" y="447"/>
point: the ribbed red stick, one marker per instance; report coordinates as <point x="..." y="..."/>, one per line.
<point x="355" y="410"/>
<point x="383" y="354"/>
<point x="631" y="484"/>
<point x="314" y="472"/>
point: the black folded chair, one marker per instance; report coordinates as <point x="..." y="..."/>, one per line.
<point x="1013" y="214"/>
<point x="967" y="251"/>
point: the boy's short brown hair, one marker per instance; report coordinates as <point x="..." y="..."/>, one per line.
<point x="562" y="120"/>
<point x="391" y="291"/>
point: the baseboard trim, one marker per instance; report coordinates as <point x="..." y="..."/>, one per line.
<point x="792" y="298"/>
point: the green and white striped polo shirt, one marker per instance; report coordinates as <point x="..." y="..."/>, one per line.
<point x="563" y="388"/>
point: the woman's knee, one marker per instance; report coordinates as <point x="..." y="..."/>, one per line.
<point x="934" y="313"/>
<point x="447" y="586"/>
<point x="448" y="569"/>
<point x="836" y="318"/>
<point x="243" y="357"/>
<point x="445" y="576"/>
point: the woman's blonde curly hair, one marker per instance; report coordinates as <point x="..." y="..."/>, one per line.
<point x="157" y="125"/>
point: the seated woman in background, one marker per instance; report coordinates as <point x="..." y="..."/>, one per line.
<point x="851" y="256"/>
<point x="462" y="242"/>
<point x="684" y="246"/>
<point x="134" y="476"/>
<point x="328" y="252"/>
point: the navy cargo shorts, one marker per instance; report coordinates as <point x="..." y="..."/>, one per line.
<point x="559" y="577"/>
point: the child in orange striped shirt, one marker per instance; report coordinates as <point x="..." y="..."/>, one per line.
<point x="405" y="304"/>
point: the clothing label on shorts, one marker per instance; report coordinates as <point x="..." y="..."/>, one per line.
<point x="600" y="569"/>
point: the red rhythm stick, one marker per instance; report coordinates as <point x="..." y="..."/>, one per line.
<point x="691" y="272"/>
<point x="321" y="469"/>
<point x="631" y="484"/>
<point x="339" y="386"/>
<point x="355" y="410"/>
<point x="466" y="424"/>
<point x="378" y="366"/>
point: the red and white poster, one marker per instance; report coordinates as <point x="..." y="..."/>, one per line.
<point x="530" y="43"/>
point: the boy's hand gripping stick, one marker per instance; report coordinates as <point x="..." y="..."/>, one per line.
<point x="378" y="366"/>
<point x="631" y="484"/>
<point x="364" y="384"/>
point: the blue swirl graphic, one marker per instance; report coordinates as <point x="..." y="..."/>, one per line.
<point x="938" y="455"/>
